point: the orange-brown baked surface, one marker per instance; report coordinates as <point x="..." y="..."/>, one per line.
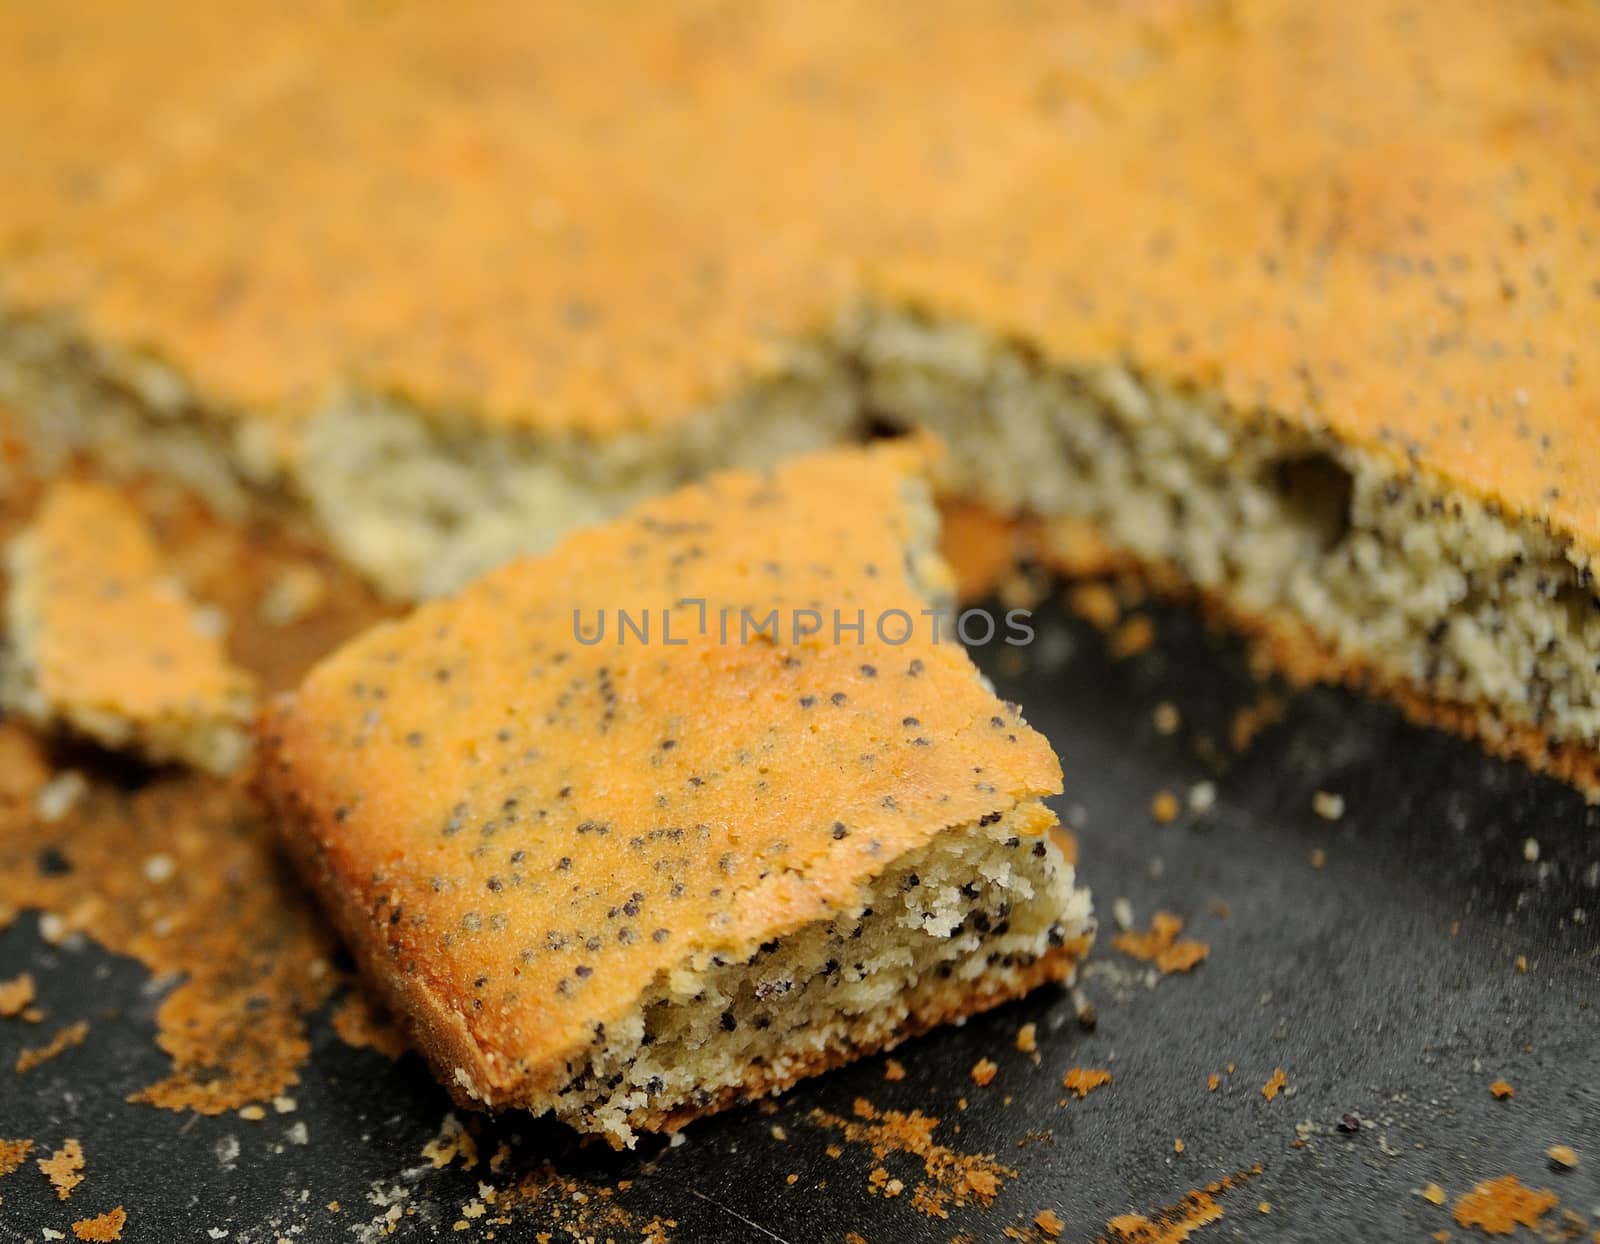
<point x="1379" y="217"/>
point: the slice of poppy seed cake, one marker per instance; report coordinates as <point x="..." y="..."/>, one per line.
<point x="103" y="642"/>
<point x="679" y="862"/>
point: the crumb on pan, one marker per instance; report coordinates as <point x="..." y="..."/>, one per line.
<point x="1161" y="945"/>
<point x="1500" y="1206"/>
<point x="13" y="1153"/>
<point x="1200" y="1207"/>
<point x="16" y="995"/>
<point x="103" y="1228"/>
<point x="64" y="1167"/>
<point x="1563" y="1157"/>
<point x="64" y="1039"/>
<point x="1084" y="1080"/>
<point x="950" y="1178"/>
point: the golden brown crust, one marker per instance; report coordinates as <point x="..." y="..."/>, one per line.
<point x="1378" y="218"/>
<point x="431" y="1024"/>
<point x="518" y="832"/>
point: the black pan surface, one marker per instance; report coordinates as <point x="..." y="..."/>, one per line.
<point x="1384" y="983"/>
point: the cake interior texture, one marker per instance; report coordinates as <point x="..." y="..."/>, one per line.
<point x="1381" y="567"/>
<point x="981" y="914"/>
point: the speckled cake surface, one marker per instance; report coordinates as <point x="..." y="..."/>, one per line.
<point x="1376" y="217"/>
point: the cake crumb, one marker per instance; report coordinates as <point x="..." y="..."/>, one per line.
<point x="13" y="1153"/>
<point x="894" y="1069"/>
<point x="1177" y="1145"/>
<point x="1164" y="807"/>
<point x="1275" y="1085"/>
<point x="1133" y="637"/>
<point x="453" y="1144"/>
<point x="1028" y="1038"/>
<point x="1161" y="945"/>
<point x="1212" y="1081"/>
<point x="1433" y="1194"/>
<point x="1319" y="858"/>
<point x="16" y="995"/>
<point x="1084" y="1080"/>
<point x="1251" y="720"/>
<point x="983" y="1072"/>
<point x="103" y="1228"/>
<point x="1502" y="1090"/>
<point x="1166" y="718"/>
<point x="949" y="1177"/>
<point x="1048" y="1221"/>
<point x="1096" y="604"/>
<point x="1530" y="850"/>
<point x="1265" y="1207"/>
<point x="1328" y="806"/>
<point x="1563" y="1156"/>
<point x="68" y="1037"/>
<point x="1522" y="964"/>
<point x="1500" y="1206"/>
<point x="64" y="1167"/>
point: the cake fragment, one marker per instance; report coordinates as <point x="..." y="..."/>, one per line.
<point x="610" y="854"/>
<point x="103" y="643"/>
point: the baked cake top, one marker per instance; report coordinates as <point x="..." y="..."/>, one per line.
<point x="1378" y="216"/>
<point x="535" y="826"/>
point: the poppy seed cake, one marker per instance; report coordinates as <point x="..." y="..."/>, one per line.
<point x="1293" y="301"/>
<point x="102" y="642"/>
<point x="634" y="875"/>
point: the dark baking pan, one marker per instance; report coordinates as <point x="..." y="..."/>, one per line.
<point x="1374" y="958"/>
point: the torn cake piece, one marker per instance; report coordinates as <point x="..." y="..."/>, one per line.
<point x="705" y="801"/>
<point x="102" y="641"/>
